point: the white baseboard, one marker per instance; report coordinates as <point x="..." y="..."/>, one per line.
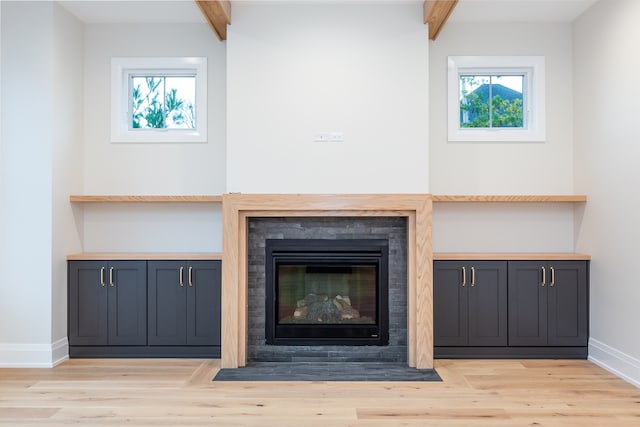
<point x="34" y="355"/>
<point x="614" y="361"/>
<point x="59" y="351"/>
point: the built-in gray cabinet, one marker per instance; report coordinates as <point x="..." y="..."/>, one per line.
<point x="511" y="308"/>
<point x="184" y="303"/>
<point x="548" y="303"/>
<point x="107" y="303"/>
<point x="140" y="308"/>
<point x="470" y="303"/>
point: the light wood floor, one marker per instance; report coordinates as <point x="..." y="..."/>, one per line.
<point x="170" y="392"/>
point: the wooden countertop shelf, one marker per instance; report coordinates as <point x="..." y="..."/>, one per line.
<point x="510" y="256"/>
<point x="436" y="198"/>
<point x="145" y="199"/>
<point x="510" y="199"/>
<point x="120" y="256"/>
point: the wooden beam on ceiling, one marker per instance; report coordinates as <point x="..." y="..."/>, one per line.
<point x="436" y="13"/>
<point x="218" y="13"/>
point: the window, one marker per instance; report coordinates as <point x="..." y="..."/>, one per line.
<point x="158" y="100"/>
<point x="496" y="98"/>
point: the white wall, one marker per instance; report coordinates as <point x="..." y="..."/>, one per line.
<point x="152" y="227"/>
<point x="26" y="169"/>
<point x="298" y="69"/>
<point x="145" y="168"/>
<point x="151" y="169"/>
<point x="67" y="143"/>
<point x="1" y="145"/>
<point x="606" y="91"/>
<point x="504" y="167"/>
<point x="503" y="227"/>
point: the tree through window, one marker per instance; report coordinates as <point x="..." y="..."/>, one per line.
<point x="492" y="101"/>
<point x="163" y="102"/>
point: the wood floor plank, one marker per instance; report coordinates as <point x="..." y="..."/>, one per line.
<point x="27" y="413"/>
<point x="170" y="392"/>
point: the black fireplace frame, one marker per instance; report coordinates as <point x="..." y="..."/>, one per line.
<point x="321" y="252"/>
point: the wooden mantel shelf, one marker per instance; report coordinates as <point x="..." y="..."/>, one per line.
<point x="511" y="199"/>
<point x="145" y="199"/>
<point x="436" y="198"/>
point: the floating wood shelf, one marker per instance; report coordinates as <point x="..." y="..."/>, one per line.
<point x="145" y="199"/>
<point x="510" y="256"/>
<point x="511" y="199"/>
<point x="112" y="256"/>
<point x="436" y="198"/>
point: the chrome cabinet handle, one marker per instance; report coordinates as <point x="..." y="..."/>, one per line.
<point x="553" y="276"/>
<point x="111" y="277"/>
<point x="473" y="276"/>
<point x="544" y="276"/>
<point x="190" y="281"/>
<point x="181" y="276"/>
<point x="102" y="276"/>
<point x="464" y="276"/>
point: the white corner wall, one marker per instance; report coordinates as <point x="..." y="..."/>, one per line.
<point x="26" y="171"/>
<point x="67" y="144"/>
<point x="295" y="70"/>
<point x="606" y="61"/>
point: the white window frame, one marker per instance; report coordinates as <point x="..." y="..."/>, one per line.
<point x="532" y="67"/>
<point x="121" y="70"/>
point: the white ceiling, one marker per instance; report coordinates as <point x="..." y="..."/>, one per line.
<point x="134" y="11"/>
<point x="186" y="11"/>
<point x="519" y="10"/>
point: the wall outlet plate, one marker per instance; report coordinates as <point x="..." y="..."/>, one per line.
<point x="329" y="137"/>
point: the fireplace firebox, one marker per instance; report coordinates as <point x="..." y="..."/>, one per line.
<point x="327" y="292"/>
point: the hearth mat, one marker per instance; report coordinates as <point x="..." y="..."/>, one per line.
<point x="326" y="371"/>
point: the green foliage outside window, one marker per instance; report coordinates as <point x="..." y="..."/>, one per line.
<point x="156" y="104"/>
<point x="477" y="111"/>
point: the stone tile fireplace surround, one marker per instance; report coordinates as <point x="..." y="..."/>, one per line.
<point x="392" y="229"/>
<point x="239" y="209"/>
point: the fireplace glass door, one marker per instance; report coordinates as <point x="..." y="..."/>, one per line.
<point x="323" y="292"/>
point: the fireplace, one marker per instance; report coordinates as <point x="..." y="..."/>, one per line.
<point x="326" y="292"/>
<point x="243" y="270"/>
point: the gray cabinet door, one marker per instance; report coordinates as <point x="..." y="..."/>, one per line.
<point x="450" y="304"/>
<point x="127" y="302"/>
<point x="87" y="303"/>
<point x="167" y="303"/>
<point x="527" y="303"/>
<point x="568" y="306"/>
<point x="487" y="293"/>
<point x="203" y="303"/>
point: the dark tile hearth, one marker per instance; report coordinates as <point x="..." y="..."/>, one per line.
<point x="326" y="371"/>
